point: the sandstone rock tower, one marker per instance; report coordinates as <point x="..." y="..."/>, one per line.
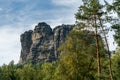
<point x="41" y="44"/>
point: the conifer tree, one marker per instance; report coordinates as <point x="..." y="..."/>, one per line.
<point x="91" y="15"/>
<point x="87" y="14"/>
<point x="115" y="7"/>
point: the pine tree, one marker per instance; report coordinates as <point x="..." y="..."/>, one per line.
<point x="90" y="14"/>
<point x="116" y="28"/>
<point x="115" y="7"/>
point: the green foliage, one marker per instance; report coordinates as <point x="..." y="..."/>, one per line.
<point x="27" y="71"/>
<point x="115" y="6"/>
<point x="48" y="70"/>
<point x="116" y="64"/>
<point x="78" y="57"/>
<point x="8" y="72"/>
<point x="88" y="11"/>
<point x="77" y="62"/>
<point x="116" y="28"/>
<point x="78" y="54"/>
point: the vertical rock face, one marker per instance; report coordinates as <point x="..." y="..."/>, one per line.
<point x="41" y="44"/>
<point x="60" y="34"/>
<point x="26" y="42"/>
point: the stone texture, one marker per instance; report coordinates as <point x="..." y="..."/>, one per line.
<point x="60" y="34"/>
<point x="41" y="44"/>
<point x="26" y="42"/>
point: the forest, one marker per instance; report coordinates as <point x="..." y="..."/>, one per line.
<point x="85" y="55"/>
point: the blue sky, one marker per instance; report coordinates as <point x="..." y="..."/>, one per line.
<point x="17" y="16"/>
<point x="33" y="11"/>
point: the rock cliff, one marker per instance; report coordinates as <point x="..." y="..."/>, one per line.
<point x="41" y="44"/>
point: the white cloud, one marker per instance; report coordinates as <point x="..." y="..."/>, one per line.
<point x="111" y="42"/>
<point x="1" y="9"/>
<point x="63" y="20"/>
<point x="9" y="44"/>
<point x="67" y="2"/>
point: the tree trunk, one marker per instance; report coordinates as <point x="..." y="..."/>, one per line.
<point x="97" y="49"/>
<point x="108" y="51"/>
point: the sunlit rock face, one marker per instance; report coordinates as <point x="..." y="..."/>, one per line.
<point x="41" y="44"/>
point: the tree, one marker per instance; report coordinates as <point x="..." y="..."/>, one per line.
<point x="48" y="70"/>
<point x="116" y="28"/>
<point x="26" y="73"/>
<point x="115" y="7"/>
<point x="92" y="15"/>
<point x="87" y="13"/>
<point x="77" y="57"/>
<point x="8" y="72"/>
<point x="116" y="64"/>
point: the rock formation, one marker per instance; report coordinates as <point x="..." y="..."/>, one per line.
<point x="41" y="44"/>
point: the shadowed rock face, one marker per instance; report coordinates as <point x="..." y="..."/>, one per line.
<point x="41" y="44"/>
